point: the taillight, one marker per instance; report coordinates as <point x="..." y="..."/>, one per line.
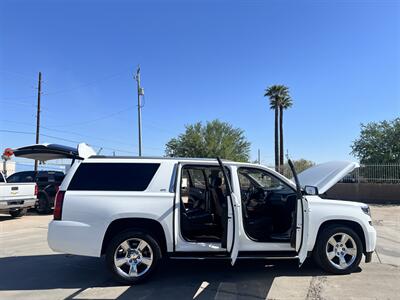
<point x="58" y="205"/>
<point x="36" y="190"/>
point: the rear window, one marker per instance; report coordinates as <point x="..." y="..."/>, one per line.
<point x="21" y="177"/>
<point x="113" y="176"/>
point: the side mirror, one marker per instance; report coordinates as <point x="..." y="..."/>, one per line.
<point x="311" y="190"/>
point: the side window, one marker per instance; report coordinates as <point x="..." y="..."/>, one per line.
<point x="1" y="177"/>
<point x="198" y="179"/>
<point x="257" y="178"/>
<point x="185" y="185"/>
<point x="113" y="176"/>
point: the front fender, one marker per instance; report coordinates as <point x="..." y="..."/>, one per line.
<point x="321" y="213"/>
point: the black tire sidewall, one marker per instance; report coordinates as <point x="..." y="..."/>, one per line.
<point x="320" y="256"/>
<point x="117" y="240"/>
<point x="18" y="213"/>
<point x="46" y="208"/>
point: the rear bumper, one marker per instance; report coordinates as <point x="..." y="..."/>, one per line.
<point x="6" y="205"/>
<point x="74" y="238"/>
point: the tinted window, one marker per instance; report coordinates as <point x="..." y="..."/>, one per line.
<point x="113" y="176"/>
<point x="21" y="177"/>
<point x="198" y="179"/>
<point x="257" y="178"/>
<point x="1" y="178"/>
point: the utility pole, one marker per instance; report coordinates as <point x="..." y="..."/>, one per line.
<point x="140" y="92"/>
<point x="259" y="160"/>
<point x="38" y="115"/>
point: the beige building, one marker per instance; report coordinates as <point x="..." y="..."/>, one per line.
<point x="9" y="166"/>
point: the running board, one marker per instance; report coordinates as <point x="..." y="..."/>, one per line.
<point x="242" y="255"/>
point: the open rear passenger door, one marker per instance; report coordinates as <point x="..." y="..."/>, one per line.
<point x="230" y="238"/>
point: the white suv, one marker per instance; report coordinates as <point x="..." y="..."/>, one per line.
<point x="136" y="211"/>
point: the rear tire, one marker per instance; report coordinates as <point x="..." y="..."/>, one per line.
<point x="132" y="256"/>
<point x="338" y="250"/>
<point x="43" y="205"/>
<point x="18" y="212"/>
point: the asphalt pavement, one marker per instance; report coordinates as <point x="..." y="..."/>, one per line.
<point x="30" y="270"/>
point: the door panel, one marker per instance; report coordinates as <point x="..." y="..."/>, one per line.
<point x="232" y="235"/>
<point x="235" y="228"/>
<point x="302" y="229"/>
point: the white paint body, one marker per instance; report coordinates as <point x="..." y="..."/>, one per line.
<point x="86" y="215"/>
<point x="16" y="195"/>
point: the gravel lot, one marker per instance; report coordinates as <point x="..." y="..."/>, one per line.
<point x="30" y="270"/>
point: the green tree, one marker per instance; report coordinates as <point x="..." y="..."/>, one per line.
<point x="300" y="165"/>
<point x="285" y="103"/>
<point x="279" y="100"/>
<point x="379" y="142"/>
<point x="214" y="139"/>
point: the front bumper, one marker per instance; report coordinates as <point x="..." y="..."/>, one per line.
<point x="368" y="257"/>
<point x="370" y="239"/>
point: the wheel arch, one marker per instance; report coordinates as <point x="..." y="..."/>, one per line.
<point x="354" y="225"/>
<point x="150" y="226"/>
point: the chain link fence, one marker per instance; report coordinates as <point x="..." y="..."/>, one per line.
<point x="374" y="173"/>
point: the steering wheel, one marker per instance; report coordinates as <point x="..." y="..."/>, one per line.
<point x="256" y="196"/>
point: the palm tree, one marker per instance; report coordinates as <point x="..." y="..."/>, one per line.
<point x="285" y="103"/>
<point x="276" y="94"/>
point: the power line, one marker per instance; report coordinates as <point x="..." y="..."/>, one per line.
<point x="66" y="90"/>
<point x="67" y="140"/>
<point x="79" y="134"/>
<point x="98" y="119"/>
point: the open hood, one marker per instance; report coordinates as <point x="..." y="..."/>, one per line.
<point x="44" y="152"/>
<point x="326" y="175"/>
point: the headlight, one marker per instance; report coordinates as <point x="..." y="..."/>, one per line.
<point x="366" y="210"/>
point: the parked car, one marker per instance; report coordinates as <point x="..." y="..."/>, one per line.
<point x="136" y="211"/>
<point x="47" y="182"/>
<point x="15" y="199"/>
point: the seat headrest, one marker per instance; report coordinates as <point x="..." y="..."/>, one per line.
<point x="216" y="182"/>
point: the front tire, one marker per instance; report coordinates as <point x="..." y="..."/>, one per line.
<point x="132" y="256"/>
<point x="18" y="212"/>
<point x="338" y="250"/>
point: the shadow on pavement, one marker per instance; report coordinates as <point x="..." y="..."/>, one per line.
<point x="4" y="217"/>
<point x="174" y="279"/>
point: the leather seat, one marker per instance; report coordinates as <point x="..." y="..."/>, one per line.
<point x="217" y="196"/>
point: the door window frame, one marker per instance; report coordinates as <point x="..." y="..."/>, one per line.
<point x="177" y="234"/>
<point x="239" y="192"/>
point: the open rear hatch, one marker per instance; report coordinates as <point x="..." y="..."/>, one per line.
<point x="45" y="152"/>
<point x="326" y="175"/>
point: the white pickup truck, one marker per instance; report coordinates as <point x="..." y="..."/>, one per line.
<point x="16" y="198"/>
<point x="136" y="211"/>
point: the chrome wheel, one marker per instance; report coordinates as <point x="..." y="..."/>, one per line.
<point x="341" y="250"/>
<point x="133" y="258"/>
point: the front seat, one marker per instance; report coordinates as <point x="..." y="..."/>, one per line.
<point x="217" y="197"/>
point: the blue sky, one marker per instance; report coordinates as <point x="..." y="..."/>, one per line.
<point x="200" y="60"/>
